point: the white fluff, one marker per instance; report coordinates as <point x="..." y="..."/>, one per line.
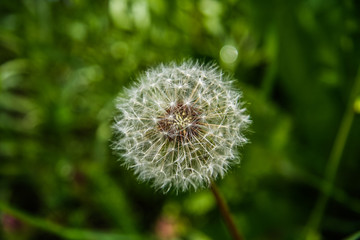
<point x="167" y="158"/>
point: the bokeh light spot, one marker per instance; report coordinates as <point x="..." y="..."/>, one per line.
<point x="357" y="105"/>
<point x="228" y="54"/>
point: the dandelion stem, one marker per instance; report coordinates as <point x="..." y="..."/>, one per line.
<point x="334" y="161"/>
<point x="224" y="209"/>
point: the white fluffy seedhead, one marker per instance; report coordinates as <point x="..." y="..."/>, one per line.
<point x="179" y="126"/>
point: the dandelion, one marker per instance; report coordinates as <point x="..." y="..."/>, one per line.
<point x="179" y="126"/>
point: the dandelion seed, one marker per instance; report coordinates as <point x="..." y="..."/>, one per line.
<point x="182" y="126"/>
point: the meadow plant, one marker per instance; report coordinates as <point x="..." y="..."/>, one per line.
<point x="179" y="125"/>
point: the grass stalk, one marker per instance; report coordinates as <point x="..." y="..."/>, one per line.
<point x="333" y="162"/>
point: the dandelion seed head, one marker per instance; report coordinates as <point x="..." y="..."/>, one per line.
<point x="179" y="126"/>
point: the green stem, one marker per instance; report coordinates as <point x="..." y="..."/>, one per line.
<point x="66" y="233"/>
<point x="224" y="209"/>
<point x="333" y="162"/>
<point x="336" y="194"/>
<point x="355" y="236"/>
<point x="268" y="82"/>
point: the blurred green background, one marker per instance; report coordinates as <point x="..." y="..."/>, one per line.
<point x="63" y="62"/>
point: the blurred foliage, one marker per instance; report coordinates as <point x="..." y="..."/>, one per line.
<point x="62" y="63"/>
